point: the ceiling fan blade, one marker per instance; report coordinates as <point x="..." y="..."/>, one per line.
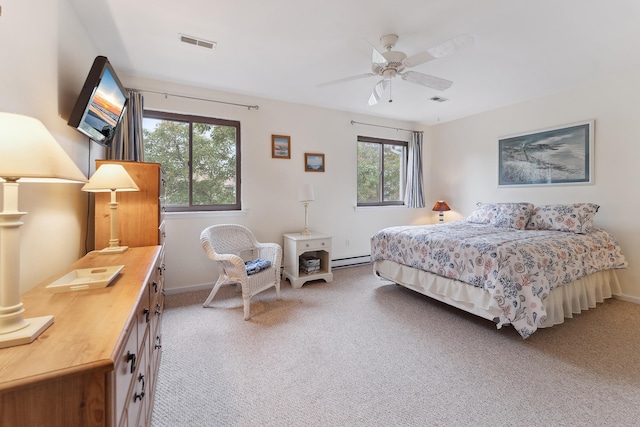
<point x="450" y="46"/>
<point x="378" y="90"/>
<point x="346" y="79"/>
<point x="377" y="59"/>
<point x="443" y="49"/>
<point x="431" y="82"/>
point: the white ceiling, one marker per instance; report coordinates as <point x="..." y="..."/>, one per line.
<point x="282" y="49"/>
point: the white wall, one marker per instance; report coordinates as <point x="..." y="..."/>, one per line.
<point x="465" y="155"/>
<point x="45" y="57"/>
<point x="269" y="186"/>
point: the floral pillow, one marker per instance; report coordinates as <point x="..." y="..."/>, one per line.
<point x="511" y="215"/>
<point x="574" y="218"/>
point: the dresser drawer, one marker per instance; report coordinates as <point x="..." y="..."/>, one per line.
<point x="126" y="366"/>
<point x="139" y="394"/>
<point x="315" y="245"/>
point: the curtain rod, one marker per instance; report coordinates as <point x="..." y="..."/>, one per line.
<point x="249" y="107"/>
<point x="353" y="122"/>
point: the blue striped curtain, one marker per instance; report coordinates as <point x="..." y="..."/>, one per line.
<point x="414" y="196"/>
<point x="127" y="142"/>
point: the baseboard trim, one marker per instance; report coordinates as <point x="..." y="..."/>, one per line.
<point x="351" y="261"/>
<point x="188" y="288"/>
<point x="628" y="298"/>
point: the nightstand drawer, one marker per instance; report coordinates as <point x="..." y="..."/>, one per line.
<point x="314" y="245"/>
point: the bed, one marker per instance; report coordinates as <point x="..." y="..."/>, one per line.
<point x="512" y="263"/>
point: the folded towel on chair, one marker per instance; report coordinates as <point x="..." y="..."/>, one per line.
<point x="256" y="265"/>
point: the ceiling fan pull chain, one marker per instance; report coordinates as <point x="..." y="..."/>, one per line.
<point x="390" y="98"/>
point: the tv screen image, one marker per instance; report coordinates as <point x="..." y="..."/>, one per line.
<point x="101" y="103"/>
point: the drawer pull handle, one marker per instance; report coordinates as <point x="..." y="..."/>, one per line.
<point x="155" y="286"/>
<point x="131" y="357"/>
<point x="145" y="311"/>
<point x="158" y="345"/>
<point x="137" y="396"/>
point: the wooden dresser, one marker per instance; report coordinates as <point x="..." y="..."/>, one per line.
<point x="97" y="364"/>
<point x="140" y="213"/>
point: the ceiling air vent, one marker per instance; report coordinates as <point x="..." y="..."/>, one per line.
<point x="438" y="99"/>
<point x="197" y="42"/>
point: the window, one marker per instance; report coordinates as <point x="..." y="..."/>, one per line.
<point x="200" y="157"/>
<point x="382" y="166"/>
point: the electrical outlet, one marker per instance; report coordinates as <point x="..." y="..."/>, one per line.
<point x="346" y="242"/>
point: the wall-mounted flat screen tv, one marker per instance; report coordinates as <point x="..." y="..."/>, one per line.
<point x="101" y="103"/>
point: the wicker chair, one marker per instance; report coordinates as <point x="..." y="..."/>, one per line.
<point x="230" y="246"/>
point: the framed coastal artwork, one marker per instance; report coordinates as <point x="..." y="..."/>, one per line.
<point x="280" y="147"/>
<point x="554" y="156"/>
<point x="313" y="162"/>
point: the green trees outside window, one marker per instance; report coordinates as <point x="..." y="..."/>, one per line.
<point x="200" y="157"/>
<point x="381" y="171"/>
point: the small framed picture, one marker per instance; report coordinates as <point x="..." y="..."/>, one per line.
<point x="313" y="162"/>
<point x="280" y="147"/>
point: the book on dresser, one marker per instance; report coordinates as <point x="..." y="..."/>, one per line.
<point x="140" y="213"/>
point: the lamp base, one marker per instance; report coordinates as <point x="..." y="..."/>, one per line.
<point x="26" y="335"/>
<point x="113" y="250"/>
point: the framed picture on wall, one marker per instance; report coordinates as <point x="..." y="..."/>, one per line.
<point x="313" y="162"/>
<point x="280" y="147"/>
<point x="559" y="155"/>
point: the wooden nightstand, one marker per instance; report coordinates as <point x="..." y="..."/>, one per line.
<point x="315" y="245"/>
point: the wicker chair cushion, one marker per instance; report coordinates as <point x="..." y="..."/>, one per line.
<point x="256" y="265"/>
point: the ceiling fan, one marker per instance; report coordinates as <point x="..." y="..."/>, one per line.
<point x="393" y="63"/>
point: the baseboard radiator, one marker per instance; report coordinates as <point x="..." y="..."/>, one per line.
<point x="351" y="261"/>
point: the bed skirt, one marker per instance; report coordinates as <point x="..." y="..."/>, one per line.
<point x="563" y="301"/>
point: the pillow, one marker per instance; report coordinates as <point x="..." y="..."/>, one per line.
<point x="574" y="218"/>
<point x="511" y="215"/>
<point x="256" y="266"/>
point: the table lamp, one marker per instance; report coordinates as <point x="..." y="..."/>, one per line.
<point x="111" y="177"/>
<point x="28" y="153"/>
<point x="305" y="195"/>
<point x="440" y="207"/>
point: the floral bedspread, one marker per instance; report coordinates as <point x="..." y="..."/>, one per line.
<point x="518" y="267"/>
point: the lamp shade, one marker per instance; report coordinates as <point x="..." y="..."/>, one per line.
<point x="29" y="152"/>
<point x="441" y="206"/>
<point x="305" y="193"/>
<point x="110" y="177"/>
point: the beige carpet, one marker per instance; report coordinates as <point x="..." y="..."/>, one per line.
<point x="363" y="352"/>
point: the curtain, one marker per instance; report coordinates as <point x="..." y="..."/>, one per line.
<point x="414" y="196"/>
<point x="127" y="142"/>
